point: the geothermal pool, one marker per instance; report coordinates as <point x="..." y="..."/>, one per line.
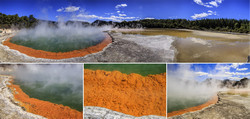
<point x="59" y="84"/>
<point x="180" y="103"/>
<point x="58" y="43"/>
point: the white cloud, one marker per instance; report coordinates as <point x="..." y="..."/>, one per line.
<point x="108" y="13"/>
<point x="236" y="65"/>
<point x="68" y="9"/>
<point x="120" y="17"/>
<point x="203" y="14"/>
<point x="201" y="73"/>
<point x="241" y="69"/>
<point x="199" y="2"/>
<point x="112" y="17"/>
<point x="223" y="71"/>
<point x="238" y="73"/>
<point x="71" y="9"/>
<point x="87" y="16"/>
<point x="210" y="4"/>
<point x="149" y="18"/>
<point x="60" y="10"/>
<point x="121" y="5"/>
<point x="213" y="3"/>
<point x="123" y="15"/>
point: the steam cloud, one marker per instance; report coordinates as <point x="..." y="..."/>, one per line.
<point x="58" y="83"/>
<point x="60" y="36"/>
<point x="184" y="91"/>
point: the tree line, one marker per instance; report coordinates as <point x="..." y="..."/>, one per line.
<point x="8" y="21"/>
<point x="226" y="25"/>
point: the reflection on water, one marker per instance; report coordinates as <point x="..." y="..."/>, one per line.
<point x="199" y="46"/>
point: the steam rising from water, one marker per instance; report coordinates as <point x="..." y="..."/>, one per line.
<point x="57" y="83"/>
<point x="61" y="37"/>
<point x="185" y="91"/>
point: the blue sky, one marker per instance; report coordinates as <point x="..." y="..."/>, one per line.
<point x="235" y="71"/>
<point x="119" y="10"/>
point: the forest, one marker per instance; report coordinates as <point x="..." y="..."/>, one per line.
<point x="8" y="21"/>
<point x="225" y="25"/>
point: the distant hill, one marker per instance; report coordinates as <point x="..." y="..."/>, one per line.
<point x="243" y="83"/>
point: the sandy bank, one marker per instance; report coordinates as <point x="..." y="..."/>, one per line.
<point x="220" y="34"/>
<point x="52" y="55"/>
<point x="43" y="108"/>
<point x="131" y="94"/>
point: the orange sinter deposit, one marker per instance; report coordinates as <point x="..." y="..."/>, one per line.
<point x="43" y="108"/>
<point x="213" y="100"/>
<point x="61" y="55"/>
<point x="131" y="94"/>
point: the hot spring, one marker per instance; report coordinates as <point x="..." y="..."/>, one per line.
<point x="180" y="103"/>
<point x="57" y="83"/>
<point x="185" y="92"/>
<point x="63" y="38"/>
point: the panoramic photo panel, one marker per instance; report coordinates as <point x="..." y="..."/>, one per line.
<point x="124" y="31"/>
<point x="124" y="91"/>
<point x="208" y="91"/>
<point x="40" y="91"/>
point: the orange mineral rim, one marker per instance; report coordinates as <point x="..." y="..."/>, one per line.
<point x="131" y="94"/>
<point x="43" y="108"/>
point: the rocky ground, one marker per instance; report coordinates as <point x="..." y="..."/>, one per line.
<point x="9" y="108"/>
<point x="121" y="50"/>
<point x="91" y="112"/>
<point x="229" y="106"/>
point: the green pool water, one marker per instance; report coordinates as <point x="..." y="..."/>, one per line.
<point x="175" y="104"/>
<point x="57" y="43"/>
<point x="142" y="69"/>
<point x="56" y="83"/>
<point x="55" y="93"/>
